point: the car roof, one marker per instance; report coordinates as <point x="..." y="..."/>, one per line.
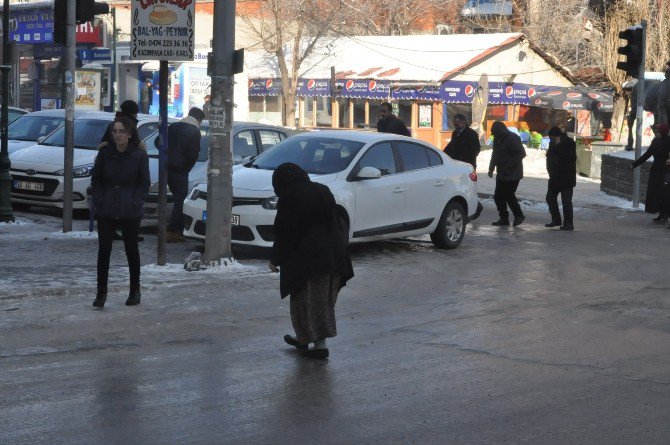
<point x="240" y="125"/>
<point x="366" y="137"/>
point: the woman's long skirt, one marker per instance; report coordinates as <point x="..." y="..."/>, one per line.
<point x="313" y="308"/>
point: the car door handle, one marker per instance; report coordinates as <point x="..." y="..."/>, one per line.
<point x="398" y="190"/>
<point x="439" y="183"/>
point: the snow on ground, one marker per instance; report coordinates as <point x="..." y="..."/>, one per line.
<point x="235" y="268"/>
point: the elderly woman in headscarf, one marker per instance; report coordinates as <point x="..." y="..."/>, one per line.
<point x="310" y="252"/>
<point x="656" y="200"/>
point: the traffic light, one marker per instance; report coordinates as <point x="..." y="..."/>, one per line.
<point x="86" y="11"/>
<point x="633" y="50"/>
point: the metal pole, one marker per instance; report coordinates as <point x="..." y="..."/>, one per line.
<point x="639" y="117"/>
<point x="219" y="174"/>
<point x="70" y="53"/>
<point x="6" y="214"/>
<point x="162" y="161"/>
<point x="112" y="93"/>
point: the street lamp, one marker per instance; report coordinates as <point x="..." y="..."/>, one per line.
<point x="6" y="214"/>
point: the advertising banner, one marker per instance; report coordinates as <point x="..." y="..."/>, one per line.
<point x="31" y="25"/>
<point x="162" y="31"/>
<point x="428" y="92"/>
<point x="87" y="90"/>
<point x="457" y="91"/>
<point x="265" y="87"/>
<point x="502" y="93"/>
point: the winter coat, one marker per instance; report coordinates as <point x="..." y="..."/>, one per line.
<point x="120" y="181"/>
<point x="659" y="149"/>
<point x="183" y="145"/>
<point x="464" y="146"/>
<point x="562" y="164"/>
<point x="507" y="157"/>
<point x="308" y="238"/>
<point x="392" y="124"/>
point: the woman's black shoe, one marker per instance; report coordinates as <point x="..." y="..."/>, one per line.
<point x="100" y="298"/>
<point x="133" y="297"/>
<point x="553" y="224"/>
<point x="316" y="353"/>
<point x="294" y="342"/>
<point x="501" y="222"/>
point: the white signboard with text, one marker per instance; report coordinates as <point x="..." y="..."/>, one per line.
<point x="162" y="30"/>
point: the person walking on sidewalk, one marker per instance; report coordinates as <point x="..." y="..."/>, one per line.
<point x="389" y="123"/>
<point x="120" y="182"/>
<point x="659" y="148"/>
<point x="146" y="95"/>
<point x="464" y="144"/>
<point x="310" y="253"/>
<point x="507" y="160"/>
<point x="183" y="152"/>
<point x="562" y="169"/>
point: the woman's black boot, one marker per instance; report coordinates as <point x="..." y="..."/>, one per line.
<point x="100" y="297"/>
<point x="133" y="297"/>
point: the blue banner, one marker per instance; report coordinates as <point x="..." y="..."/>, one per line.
<point x="428" y="92"/>
<point x="31" y="25"/>
<point x="265" y="87"/>
<point x="511" y="94"/>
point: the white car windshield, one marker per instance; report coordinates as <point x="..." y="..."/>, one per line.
<point x="31" y="128"/>
<point x="87" y="134"/>
<point x="317" y="155"/>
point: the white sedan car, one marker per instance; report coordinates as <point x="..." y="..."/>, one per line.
<point x="37" y="171"/>
<point x="385" y="186"/>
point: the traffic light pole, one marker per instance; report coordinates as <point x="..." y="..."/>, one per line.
<point x="219" y="173"/>
<point x="70" y="54"/>
<point x="639" y="116"/>
<point x="6" y="214"/>
<point x="162" y="161"/>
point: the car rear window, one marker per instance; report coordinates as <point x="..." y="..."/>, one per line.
<point x="31" y="128"/>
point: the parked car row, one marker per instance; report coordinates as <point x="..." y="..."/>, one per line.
<point x="385" y="186"/>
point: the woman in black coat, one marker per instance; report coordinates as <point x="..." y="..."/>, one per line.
<point x="562" y="169"/>
<point x="120" y="182"/>
<point x="310" y="250"/>
<point x="656" y="201"/>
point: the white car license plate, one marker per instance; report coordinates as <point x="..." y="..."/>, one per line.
<point x="234" y="219"/>
<point x="26" y="185"/>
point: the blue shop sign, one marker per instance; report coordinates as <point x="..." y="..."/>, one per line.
<point x="31" y="26"/>
<point x="100" y="55"/>
<point x="265" y="87"/>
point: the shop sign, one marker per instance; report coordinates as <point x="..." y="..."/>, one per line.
<point x="101" y="55"/>
<point x="162" y="30"/>
<point x="31" y="26"/>
<point x="265" y="87"/>
<point x="424" y="92"/>
<point x="364" y="88"/>
<point x="457" y="91"/>
<point x="510" y="93"/>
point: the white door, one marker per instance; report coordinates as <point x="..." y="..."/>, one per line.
<point x="426" y="184"/>
<point x="379" y="202"/>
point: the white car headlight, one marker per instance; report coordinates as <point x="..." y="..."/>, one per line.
<point x="270" y="203"/>
<point x="78" y="172"/>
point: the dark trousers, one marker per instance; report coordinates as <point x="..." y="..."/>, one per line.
<point x="504" y="196"/>
<point x="566" y="201"/>
<point x="130" y="229"/>
<point x="144" y="107"/>
<point x="178" y="184"/>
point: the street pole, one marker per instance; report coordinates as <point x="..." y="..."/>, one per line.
<point x="112" y="93"/>
<point x="219" y="174"/>
<point x="70" y="53"/>
<point x="162" y="161"/>
<point x="639" y="116"/>
<point x="6" y="214"/>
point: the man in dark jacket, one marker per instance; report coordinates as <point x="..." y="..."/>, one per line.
<point x="146" y="96"/>
<point x="464" y="144"/>
<point x="562" y="169"/>
<point x="183" y="151"/>
<point x="389" y="123"/>
<point x="507" y="159"/>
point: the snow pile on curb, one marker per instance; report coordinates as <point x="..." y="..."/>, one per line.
<point x="74" y="234"/>
<point x="233" y="268"/>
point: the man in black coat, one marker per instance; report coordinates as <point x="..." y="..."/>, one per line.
<point x="389" y="123"/>
<point x="464" y="144"/>
<point x="183" y="151"/>
<point x="562" y="169"/>
<point x="507" y="159"/>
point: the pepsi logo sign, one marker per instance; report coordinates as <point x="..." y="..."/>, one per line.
<point x="594" y="96"/>
<point x="372" y="85"/>
<point x="469" y="90"/>
<point x="509" y="90"/>
<point x="573" y="95"/>
<point x="531" y="92"/>
<point x="554" y="93"/>
<point x="566" y="104"/>
<point x="268" y="84"/>
<point x="600" y="105"/>
<point x="538" y="101"/>
<point x="251" y="83"/>
<point x="311" y="84"/>
<point x="349" y="85"/>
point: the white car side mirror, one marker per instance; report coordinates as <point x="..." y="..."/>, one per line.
<point x="369" y="173"/>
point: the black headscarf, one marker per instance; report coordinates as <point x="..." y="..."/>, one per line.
<point x="286" y="175"/>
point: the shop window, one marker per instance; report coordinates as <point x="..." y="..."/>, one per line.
<point x="404" y="112"/>
<point x="323" y="112"/>
<point x="256" y="104"/>
<point x="273" y="104"/>
<point x="344" y="112"/>
<point x="454" y="109"/>
<point x="359" y="113"/>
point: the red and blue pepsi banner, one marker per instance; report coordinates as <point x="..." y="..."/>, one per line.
<point x="265" y="87"/>
<point x="351" y="88"/>
<point x="457" y="91"/>
<point x="426" y="92"/>
<point x="511" y="93"/>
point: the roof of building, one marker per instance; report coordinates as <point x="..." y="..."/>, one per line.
<point x="429" y="58"/>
